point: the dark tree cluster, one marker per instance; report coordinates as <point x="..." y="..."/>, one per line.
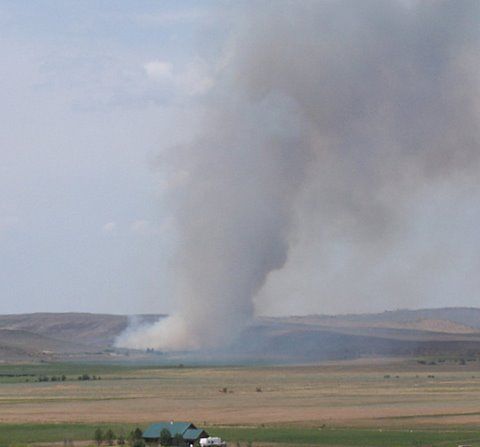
<point x="108" y="437"/>
<point x="88" y="377"/>
<point x="62" y="378"/>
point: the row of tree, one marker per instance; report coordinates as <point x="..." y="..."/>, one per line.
<point x="134" y="438"/>
<point x="88" y="377"/>
<point x="63" y="378"/>
<point x="52" y="378"/>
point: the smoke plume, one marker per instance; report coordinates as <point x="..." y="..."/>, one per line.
<point x="329" y="125"/>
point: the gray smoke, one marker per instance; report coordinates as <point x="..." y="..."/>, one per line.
<point x="330" y="124"/>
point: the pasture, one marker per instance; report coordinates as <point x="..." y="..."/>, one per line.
<point x="56" y="434"/>
<point x="374" y="403"/>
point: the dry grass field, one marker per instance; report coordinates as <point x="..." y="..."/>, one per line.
<point x="403" y="394"/>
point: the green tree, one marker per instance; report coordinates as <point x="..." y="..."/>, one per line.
<point x="165" y="437"/>
<point x="138" y="443"/>
<point x="121" y="439"/>
<point x="135" y="435"/>
<point x="98" y="436"/>
<point x="178" y="440"/>
<point x="109" y="436"/>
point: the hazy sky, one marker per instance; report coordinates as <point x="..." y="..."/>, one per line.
<point x="91" y="93"/>
<point x="94" y="92"/>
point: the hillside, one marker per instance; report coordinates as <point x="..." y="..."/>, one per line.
<point x="85" y="328"/>
<point x="20" y="344"/>
<point x="83" y="336"/>
<point x="452" y="319"/>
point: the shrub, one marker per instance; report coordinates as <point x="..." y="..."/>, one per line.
<point x="134" y="436"/>
<point x="98" y="436"/>
<point x="109" y="436"/>
<point x="137" y="433"/>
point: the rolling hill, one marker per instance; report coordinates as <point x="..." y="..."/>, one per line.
<point x="84" y="336"/>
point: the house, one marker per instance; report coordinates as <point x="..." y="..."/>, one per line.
<point x="188" y="432"/>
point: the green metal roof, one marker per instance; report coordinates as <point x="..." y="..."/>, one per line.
<point x="175" y="428"/>
<point x="192" y="434"/>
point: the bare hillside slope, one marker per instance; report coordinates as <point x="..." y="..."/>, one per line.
<point x="77" y="336"/>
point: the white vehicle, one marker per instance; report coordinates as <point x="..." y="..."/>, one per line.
<point x="212" y="441"/>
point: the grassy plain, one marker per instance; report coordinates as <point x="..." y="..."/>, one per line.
<point x="54" y="434"/>
<point x="366" y="403"/>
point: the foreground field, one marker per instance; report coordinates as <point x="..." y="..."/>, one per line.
<point x="404" y="403"/>
<point x="401" y="394"/>
<point x="55" y="434"/>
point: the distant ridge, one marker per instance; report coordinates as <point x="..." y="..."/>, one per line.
<point x="468" y="316"/>
<point x="463" y="314"/>
<point x="451" y="320"/>
<point x="84" y="328"/>
<point x="86" y="336"/>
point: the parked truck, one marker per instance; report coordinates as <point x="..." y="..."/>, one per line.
<point x="212" y="441"/>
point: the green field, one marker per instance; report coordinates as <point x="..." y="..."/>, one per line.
<point x="25" y="373"/>
<point x="22" y="434"/>
<point x="348" y="436"/>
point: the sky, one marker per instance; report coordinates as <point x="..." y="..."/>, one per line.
<point x="91" y="93"/>
<point x="98" y="95"/>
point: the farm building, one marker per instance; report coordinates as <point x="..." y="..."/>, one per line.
<point x="179" y="431"/>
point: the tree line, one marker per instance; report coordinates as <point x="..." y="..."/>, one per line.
<point x="133" y="439"/>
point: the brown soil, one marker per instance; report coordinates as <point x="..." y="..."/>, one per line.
<point x="335" y="394"/>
